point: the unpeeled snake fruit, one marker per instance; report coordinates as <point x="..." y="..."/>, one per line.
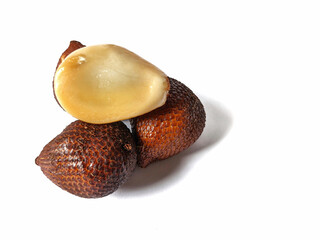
<point x="107" y="83"/>
<point x="89" y="160"/>
<point x="171" y="128"/>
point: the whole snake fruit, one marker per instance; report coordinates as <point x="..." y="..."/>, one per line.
<point x="171" y="128"/>
<point x="89" y="160"/>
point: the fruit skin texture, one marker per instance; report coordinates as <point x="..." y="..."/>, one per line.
<point x="171" y="128"/>
<point x="89" y="160"/>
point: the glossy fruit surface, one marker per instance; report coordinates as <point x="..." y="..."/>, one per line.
<point x="89" y="160"/>
<point x="171" y="128"/>
<point x="108" y="83"/>
<point x="74" y="45"/>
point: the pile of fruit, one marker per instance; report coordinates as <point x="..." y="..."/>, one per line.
<point x="102" y="85"/>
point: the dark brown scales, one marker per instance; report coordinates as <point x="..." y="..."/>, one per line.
<point x="171" y="128"/>
<point x="89" y="160"/>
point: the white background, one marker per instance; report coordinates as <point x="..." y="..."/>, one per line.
<point x="253" y="174"/>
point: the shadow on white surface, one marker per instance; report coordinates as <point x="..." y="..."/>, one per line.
<point x="160" y="175"/>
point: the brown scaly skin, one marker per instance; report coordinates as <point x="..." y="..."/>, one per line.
<point x="171" y="128"/>
<point x="89" y="160"/>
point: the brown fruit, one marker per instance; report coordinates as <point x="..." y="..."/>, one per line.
<point x="171" y="128"/>
<point x="89" y="160"/>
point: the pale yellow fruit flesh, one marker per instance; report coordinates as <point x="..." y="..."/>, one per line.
<point x="108" y="83"/>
